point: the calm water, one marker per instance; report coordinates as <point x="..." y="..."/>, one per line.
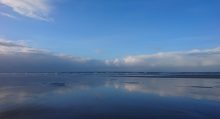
<point x="108" y="96"/>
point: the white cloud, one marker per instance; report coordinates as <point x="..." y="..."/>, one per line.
<point x="192" y="60"/>
<point x="37" y="9"/>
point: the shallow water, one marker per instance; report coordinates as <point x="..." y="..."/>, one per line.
<point x="107" y="96"/>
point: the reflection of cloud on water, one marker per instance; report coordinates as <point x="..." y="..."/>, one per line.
<point x="193" y="88"/>
<point x="19" y="91"/>
<point x="22" y="94"/>
<point x="22" y="89"/>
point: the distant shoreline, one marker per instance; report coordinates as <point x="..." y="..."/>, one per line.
<point x="132" y="74"/>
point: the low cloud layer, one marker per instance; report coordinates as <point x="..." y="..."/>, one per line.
<point x="194" y="60"/>
<point x="19" y="57"/>
<point x="37" y="9"/>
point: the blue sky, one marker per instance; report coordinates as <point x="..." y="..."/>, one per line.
<point x="111" y="29"/>
<point x="107" y="29"/>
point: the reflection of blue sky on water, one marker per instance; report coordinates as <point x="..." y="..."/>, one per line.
<point x="103" y="94"/>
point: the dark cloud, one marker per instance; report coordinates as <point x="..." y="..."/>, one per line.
<point x="10" y="44"/>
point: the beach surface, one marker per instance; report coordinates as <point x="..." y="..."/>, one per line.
<point x="95" y="95"/>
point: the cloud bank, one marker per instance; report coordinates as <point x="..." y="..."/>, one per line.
<point x="194" y="60"/>
<point x="19" y="57"/>
<point x="37" y="9"/>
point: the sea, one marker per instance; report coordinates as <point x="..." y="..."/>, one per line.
<point x="110" y="95"/>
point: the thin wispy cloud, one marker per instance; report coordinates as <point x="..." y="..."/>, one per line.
<point x="8" y="47"/>
<point x="8" y="15"/>
<point x="36" y="9"/>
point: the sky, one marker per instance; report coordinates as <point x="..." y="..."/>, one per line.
<point x="143" y="35"/>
